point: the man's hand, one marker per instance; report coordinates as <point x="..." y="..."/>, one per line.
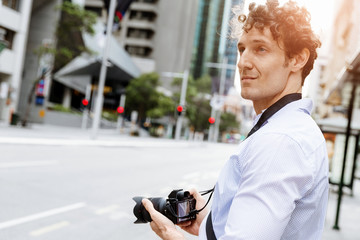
<point x="193" y="226"/>
<point x="161" y="225"/>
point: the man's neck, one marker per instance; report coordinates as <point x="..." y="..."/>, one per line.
<point x="260" y="106"/>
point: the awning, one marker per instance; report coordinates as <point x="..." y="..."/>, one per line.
<point x="120" y="65"/>
<point x="346" y="74"/>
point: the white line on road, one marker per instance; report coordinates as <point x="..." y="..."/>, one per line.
<point x="50" y="228"/>
<point x="27" y="164"/>
<point x="33" y="217"/>
<point x="105" y="143"/>
<point x="108" y="209"/>
<point x="121" y="215"/>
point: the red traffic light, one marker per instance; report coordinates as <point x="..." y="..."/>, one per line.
<point x="120" y="109"/>
<point x="85" y="102"/>
<point x="211" y="120"/>
<point x="179" y="108"/>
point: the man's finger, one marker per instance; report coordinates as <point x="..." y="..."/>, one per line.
<point x="155" y="215"/>
<point x="184" y="224"/>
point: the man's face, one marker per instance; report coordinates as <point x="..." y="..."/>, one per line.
<point x="263" y="68"/>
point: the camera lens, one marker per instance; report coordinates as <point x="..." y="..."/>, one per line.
<point x="142" y="214"/>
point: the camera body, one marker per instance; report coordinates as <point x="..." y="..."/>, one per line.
<point x="178" y="207"/>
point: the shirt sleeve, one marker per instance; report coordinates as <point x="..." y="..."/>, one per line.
<point x="274" y="176"/>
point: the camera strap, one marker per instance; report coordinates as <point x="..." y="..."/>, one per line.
<point x="282" y="102"/>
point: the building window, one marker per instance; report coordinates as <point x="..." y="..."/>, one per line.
<point x="8" y="36"/>
<point x="138" y="51"/>
<point x="142" y="15"/>
<point x="140" y="33"/>
<point x="14" y="4"/>
<point x="147" y="1"/>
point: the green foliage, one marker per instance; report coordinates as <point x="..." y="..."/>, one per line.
<point x="197" y="105"/>
<point x="74" y="21"/>
<point x="142" y="96"/>
<point x="110" y="115"/>
<point x="203" y="84"/>
<point x="61" y="108"/>
<point x="228" y="122"/>
<point x="165" y="106"/>
<point x="77" y="18"/>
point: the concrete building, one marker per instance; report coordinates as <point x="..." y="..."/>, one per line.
<point x="345" y="47"/>
<point x="158" y="34"/>
<point x="67" y="87"/>
<point x="14" y="27"/>
<point x="43" y="22"/>
<point x="212" y="42"/>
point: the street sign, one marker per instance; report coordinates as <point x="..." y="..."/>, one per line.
<point x="217" y="102"/>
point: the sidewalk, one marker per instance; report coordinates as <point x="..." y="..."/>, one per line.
<point x="349" y="221"/>
<point x="38" y="134"/>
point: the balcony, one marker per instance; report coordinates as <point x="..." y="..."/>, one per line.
<point x="143" y="6"/>
<point x="139" y="42"/>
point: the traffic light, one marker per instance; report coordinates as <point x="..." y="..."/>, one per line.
<point x="120" y="110"/>
<point x="179" y="109"/>
<point x="211" y="120"/>
<point x="85" y="103"/>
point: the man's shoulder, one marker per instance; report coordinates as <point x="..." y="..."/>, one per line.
<point x="300" y="128"/>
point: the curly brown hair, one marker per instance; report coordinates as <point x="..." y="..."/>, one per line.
<point x="289" y="23"/>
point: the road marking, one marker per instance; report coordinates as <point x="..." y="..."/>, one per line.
<point x="50" y="228"/>
<point x="27" y="164"/>
<point x="108" y="209"/>
<point x="121" y="215"/>
<point x="105" y="143"/>
<point x="37" y="216"/>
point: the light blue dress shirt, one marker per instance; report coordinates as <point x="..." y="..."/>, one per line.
<point x="276" y="185"/>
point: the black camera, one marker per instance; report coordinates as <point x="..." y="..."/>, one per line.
<point x="178" y="207"/>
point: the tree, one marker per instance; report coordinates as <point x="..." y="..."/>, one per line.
<point x="142" y="96"/>
<point x="74" y="21"/>
<point x="198" y="108"/>
<point x="228" y="122"/>
<point x="69" y="43"/>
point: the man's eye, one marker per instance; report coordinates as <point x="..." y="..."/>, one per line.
<point x="241" y="50"/>
<point x="261" y="49"/>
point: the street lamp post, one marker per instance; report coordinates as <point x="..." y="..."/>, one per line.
<point x="185" y="77"/>
<point x="224" y="66"/>
<point x="100" y="92"/>
<point x="85" y="115"/>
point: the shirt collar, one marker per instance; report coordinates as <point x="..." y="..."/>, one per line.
<point x="304" y="104"/>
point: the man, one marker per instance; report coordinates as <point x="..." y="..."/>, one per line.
<point x="276" y="185"/>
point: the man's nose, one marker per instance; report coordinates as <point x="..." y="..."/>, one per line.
<point x="245" y="61"/>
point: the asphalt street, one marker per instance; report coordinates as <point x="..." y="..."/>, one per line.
<point x="80" y="191"/>
<point x="57" y="183"/>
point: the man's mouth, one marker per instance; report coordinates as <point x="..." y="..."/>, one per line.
<point x="245" y="77"/>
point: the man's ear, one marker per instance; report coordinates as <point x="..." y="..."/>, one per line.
<point x="299" y="60"/>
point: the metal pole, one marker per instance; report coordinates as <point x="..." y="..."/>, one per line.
<point x="348" y="129"/>
<point x="85" y="115"/>
<point x="120" y="117"/>
<point x="211" y="129"/>
<point x="182" y="103"/>
<point x="221" y="94"/>
<point x="100" y="95"/>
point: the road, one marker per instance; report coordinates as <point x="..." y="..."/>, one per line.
<point x="56" y="183"/>
<point x="83" y="192"/>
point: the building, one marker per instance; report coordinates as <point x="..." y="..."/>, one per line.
<point x="14" y="28"/>
<point x="158" y="34"/>
<point x="67" y="86"/>
<point x="212" y="42"/>
<point x="345" y="46"/>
